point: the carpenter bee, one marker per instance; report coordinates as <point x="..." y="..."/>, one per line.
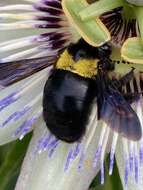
<point x="80" y="77"/>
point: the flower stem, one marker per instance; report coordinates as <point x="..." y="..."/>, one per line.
<point x="99" y="7"/>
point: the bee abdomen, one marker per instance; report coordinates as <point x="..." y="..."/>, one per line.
<point x="66" y="104"/>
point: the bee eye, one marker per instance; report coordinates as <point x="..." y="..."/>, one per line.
<point x="104" y="51"/>
<point x="79" y="55"/>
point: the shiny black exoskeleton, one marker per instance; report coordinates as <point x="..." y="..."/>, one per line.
<point x="66" y="104"/>
<point x="69" y="97"/>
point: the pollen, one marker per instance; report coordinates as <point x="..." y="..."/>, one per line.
<point x="88" y="163"/>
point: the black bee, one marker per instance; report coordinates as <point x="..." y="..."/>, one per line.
<point x="80" y="77"/>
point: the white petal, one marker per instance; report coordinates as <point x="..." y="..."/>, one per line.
<point x="39" y="172"/>
<point x="22" y="106"/>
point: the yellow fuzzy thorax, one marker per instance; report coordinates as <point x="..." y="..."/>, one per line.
<point x="84" y="67"/>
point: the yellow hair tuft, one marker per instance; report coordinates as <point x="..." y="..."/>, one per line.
<point x="84" y="67"/>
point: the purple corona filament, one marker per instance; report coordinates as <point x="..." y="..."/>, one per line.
<point x="136" y="169"/>
<point x="141" y="154"/>
<point x="98" y="152"/>
<point x="8" y="100"/>
<point x="43" y="143"/>
<point x="53" y="143"/>
<point x="131" y="162"/>
<point x="81" y="160"/>
<point x="126" y="175"/>
<point x="53" y="3"/>
<point x="111" y="161"/>
<point x="68" y="160"/>
<point x="77" y="150"/>
<point x="72" y="155"/>
<point x="25" y="127"/>
<point x="52" y="150"/>
<point x="16" y="116"/>
<point x="102" y="172"/>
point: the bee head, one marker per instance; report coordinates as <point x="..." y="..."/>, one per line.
<point x="83" y="50"/>
<point x="104" y="51"/>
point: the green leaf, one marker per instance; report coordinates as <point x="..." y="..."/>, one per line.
<point x="93" y="30"/>
<point x="10" y="167"/>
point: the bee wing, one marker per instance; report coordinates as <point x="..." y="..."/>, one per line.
<point x="11" y="72"/>
<point x="120" y="116"/>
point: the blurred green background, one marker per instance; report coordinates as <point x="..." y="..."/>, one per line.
<point x="11" y="157"/>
